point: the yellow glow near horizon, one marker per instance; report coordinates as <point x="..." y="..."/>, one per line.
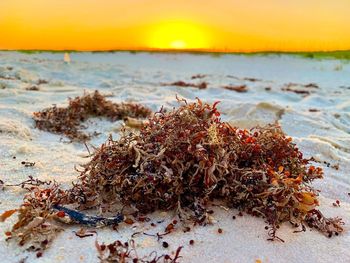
<point x="220" y="25"/>
<point x="177" y="35"/>
<point x="178" y="44"/>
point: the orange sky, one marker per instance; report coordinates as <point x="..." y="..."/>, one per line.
<point x="233" y="25"/>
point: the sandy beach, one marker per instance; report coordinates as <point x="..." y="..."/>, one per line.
<point x="309" y="98"/>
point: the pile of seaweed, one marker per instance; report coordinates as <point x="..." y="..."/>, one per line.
<point x="182" y="160"/>
<point x="68" y="120"/>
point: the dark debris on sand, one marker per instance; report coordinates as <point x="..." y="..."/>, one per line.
<point x="238" y="88"/>
<point x="180" y="83"/>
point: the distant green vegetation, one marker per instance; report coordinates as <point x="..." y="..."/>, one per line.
<point x="340" y="55"/>
<point x="324" y="55"/>
<point x="332" y="54"/>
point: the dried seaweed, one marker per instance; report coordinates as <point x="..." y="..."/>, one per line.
<point x="30" y="183"/>
<point x="28" y="164"/>
<point x="311" y="85"/>
<point x="181" y="160"/>
<point x="68" y="120"/>
<point x="82" y="233"/>
<point x="239" y="88"/>
<point x="198" y="76"/>
<point x="252" y="79"/>
<point x="314" y="110"/>
<point x="33" y="88"/>
<point x="290" y="87"/>
<point x="180" y="83"/>
<point x="7" y="214"/>
<point x="126" y="252"/>
<point x="297" y="91"/>
<point x="37" y="223"/>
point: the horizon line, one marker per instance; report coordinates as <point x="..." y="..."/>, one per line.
<point x="175" y="50"/>
<point x="323" y="54"/>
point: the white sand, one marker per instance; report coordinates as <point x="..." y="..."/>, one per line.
<point x="136" y="77"/>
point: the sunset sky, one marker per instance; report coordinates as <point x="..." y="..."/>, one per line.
<point x="225" y="25"/>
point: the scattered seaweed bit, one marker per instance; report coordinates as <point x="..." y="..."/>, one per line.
<point x="335" y="166"/>
<point x="303" y="228"/>
<point x="30" y="183"/>
<point x="232" y="77"/>
<point x="2" y="185"/>
<point x="314" y="110"/>
<point x="170" y="227"/>
<point x="336" y="203"/>
<point x="267" y="88"/>
<point x="7" y="214"/>
<point x="68" y="120"/>
<point x="251" y="79"/>
<point x="158" y="235"/>
<point x="128" y="221"/>
<point x="42" y="81"/>
<point x="28" y="164"/>
<point x="311" y="85"/>
<point x="291" y="87"/>
<point x="244" y="79"/>
<point x="33" y="88"/>
<point x="272" y="234"/>
<point x="7" y="78"/>
<point x="37" y="224"/>
<point x="329" y="226"/>
<point x="239" y="88"/>
<point x="180" y="83"/>
<point x="297" y="91"/>
<point x="126" y="252"/>
<point x="328" y="164"/>
<point x="191" y="242"/>
<point x="82" y="233"/>
<point x="142" y="218"/>
<point x="198" y="76"/>
<point x="186" y="229"/>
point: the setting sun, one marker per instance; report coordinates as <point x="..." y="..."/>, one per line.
<point x="222" y="25"/>
<point x="177" y="35"/>
<point x="178" y="44"/>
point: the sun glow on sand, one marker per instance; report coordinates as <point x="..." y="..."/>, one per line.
<point x="178" y="35"/>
